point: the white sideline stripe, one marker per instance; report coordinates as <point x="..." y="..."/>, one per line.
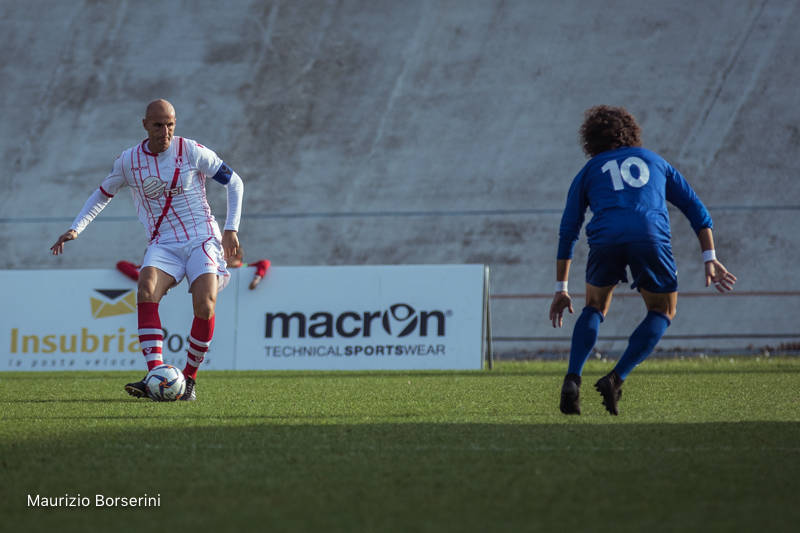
<point x="151" y="331"/>
<point x="204" y="344"/>
<point x="476" y="448"/>
<point x="151" y="344"/>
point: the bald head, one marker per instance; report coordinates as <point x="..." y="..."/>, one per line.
<point x="159" y="106"/>
<point x="159" y="122"/>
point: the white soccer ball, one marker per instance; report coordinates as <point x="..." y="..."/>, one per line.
<point x="165" y="383"/>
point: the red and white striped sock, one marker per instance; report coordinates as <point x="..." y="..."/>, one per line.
<point x="151" y="336"/>
<point x="199" y="341"/>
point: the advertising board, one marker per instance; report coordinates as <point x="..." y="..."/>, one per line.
<point x="298" y="318"/>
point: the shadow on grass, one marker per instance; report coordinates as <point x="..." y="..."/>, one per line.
<point x="67" y="401"/>
<point x="413" y="476"/>
<point x="283" y="418"/>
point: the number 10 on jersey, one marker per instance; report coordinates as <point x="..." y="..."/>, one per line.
<point x="620" y="173"/>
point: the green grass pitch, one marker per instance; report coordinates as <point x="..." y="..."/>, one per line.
<point x="700" y="445"/>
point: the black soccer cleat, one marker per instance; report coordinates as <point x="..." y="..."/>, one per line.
<point x="137" y="389"/>
<point x="189" y="395"/>
<point x="610" y="387"/>
<point x="571" y="395"/>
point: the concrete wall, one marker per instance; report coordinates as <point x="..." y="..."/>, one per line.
<point x="420" y="132"/>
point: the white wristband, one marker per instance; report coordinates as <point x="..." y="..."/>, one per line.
<point x="561" y="286"/>
<point x="709" y="255"/>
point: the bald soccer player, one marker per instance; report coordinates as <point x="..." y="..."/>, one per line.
<point x="167" y="178"/>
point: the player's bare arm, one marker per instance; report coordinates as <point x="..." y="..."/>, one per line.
<point x="561" y="299"/>
<point x="230" y="243"/>
<point x="715" y="271"/>
<point x="58" y="247"/>
<point x="717" y="274"/>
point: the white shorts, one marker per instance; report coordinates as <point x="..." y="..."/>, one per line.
<point x="190" y="260"/>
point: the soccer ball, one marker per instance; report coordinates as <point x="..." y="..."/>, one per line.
<point x="165" y="383"/>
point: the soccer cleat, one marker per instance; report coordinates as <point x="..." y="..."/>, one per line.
<point x="571" y="395"/>
<point x="610" y="387"/>
<point x="136" y="389"/>
<point x="189" y="395"/>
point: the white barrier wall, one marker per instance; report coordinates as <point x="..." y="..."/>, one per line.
<point x="86" y="320"/>
<point x="371" y="317"/>
<point x="299" y="318"/>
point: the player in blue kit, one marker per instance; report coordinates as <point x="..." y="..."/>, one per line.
<point x="627" y="188"/>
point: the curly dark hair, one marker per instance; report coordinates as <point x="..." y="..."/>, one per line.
<point x="607" y="128"/>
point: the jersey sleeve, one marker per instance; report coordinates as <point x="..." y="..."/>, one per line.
<point x="206" y="160"/>
<point x="572" y="217"/>
<point x="210" y="164"/>
<point x="114" y="181"/>
<point x="680" y="194"/>
<point x="235" y="192"/>
<point x="100" y="198"/>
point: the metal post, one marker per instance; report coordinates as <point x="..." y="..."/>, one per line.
<point x="487" y="318"/>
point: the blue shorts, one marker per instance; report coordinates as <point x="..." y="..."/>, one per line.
<point x="652" y="266"/>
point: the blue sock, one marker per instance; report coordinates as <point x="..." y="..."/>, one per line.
<point x="584" y="337"/>
<point x="642" y="342"/>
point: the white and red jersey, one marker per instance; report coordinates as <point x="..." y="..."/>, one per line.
<point x="168" y="190"/>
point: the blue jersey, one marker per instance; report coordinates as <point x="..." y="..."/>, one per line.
<point x="627" y="190"/>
